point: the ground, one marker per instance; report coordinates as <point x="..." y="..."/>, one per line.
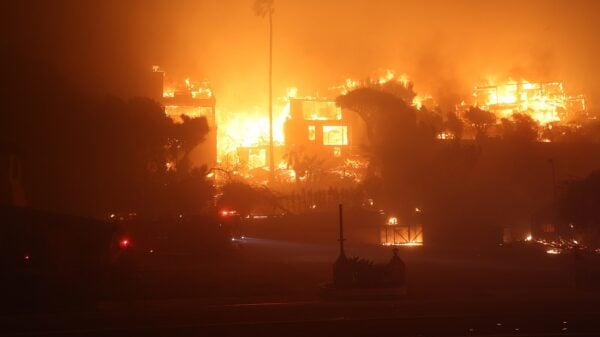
<point x="269" y="287"/>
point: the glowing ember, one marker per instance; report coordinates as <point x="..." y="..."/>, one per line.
<point x="406" y="244"/>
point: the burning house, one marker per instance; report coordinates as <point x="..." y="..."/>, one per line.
<point x="321" y="127"/>
<point x="193" y="99"/>
<point x="545" y="102"/>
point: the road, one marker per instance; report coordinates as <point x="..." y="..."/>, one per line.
<point x="269" y="289"/>
<point x="572" y="314"/>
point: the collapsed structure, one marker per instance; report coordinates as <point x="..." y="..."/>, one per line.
<point x="545" y="102"/>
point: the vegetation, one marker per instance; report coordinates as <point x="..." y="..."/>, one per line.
<point x="96" y="156"/>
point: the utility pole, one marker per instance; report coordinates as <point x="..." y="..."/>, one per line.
<point x="263" y="8"/>
<point x="271" y="148"/>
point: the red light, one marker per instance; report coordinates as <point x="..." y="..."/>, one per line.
<point x="124" y="243"/>
<point x="228" y="213"/>
<point x="26" y="257"/>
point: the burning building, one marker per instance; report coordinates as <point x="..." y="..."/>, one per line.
<point x="193" y="99"/>
<point x="545" y="102"/>
<point x="319" y="126"/>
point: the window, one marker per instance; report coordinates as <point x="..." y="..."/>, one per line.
<point x="319" y="110"/>
<point x="311" y="133"/>
<point x="335" y="135"/>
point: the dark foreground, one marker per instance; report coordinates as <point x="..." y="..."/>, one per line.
<point x="562" y="315"/>
<point x="269" y="287"/>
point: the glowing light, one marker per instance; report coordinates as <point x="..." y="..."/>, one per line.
<point x="392" y="220"/>
<point x="404" y="244"/>
<point x="529" y="238"/>
<point x="170" y="166"/>
<point x="228" y="213"/>
<point x="124" y="243"/>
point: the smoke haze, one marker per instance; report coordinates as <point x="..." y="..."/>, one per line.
<point x="445" y="47"/>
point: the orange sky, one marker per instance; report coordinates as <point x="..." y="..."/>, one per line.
<point x="445" y="46"/>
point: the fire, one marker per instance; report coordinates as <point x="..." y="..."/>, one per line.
<point x="236" y="127"/>
<point x="381" y="78"/>
<point x="545" y="102"/>
<point x="250" y="127"/>
<point x="243" y="131"/>
<point x="197" y="89"/>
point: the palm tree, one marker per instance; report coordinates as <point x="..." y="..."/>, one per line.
<point x="263" y="8"/>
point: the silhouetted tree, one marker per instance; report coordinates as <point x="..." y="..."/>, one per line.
<point x="244" y="198"/>
<point x="519" y="128"/>
<point x="91" y="156"/>
<point x="398" y="146"/>
<point x="454" y="125"/>
<point x="186" y="136"/>
<point x="481" y="120"/>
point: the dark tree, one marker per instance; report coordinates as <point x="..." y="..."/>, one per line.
<point x="398" y="146"/>
<point x="520" y="128"/>
<point x="454" y="125"/>
<point x="481" y="120"/>
<point x="244" y="198"/>
<point x="91" y="156"/>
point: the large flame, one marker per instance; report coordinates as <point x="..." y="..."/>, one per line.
<point x="236" y="127"/>
<point x="380" y="78"/>
<point x="248" y="127"/>
<point x="545" y="102"/>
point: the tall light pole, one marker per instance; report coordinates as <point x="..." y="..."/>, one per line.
<point x="263" y="8"/>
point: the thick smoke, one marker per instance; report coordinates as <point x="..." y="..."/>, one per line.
<point x="446" y="47"/>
